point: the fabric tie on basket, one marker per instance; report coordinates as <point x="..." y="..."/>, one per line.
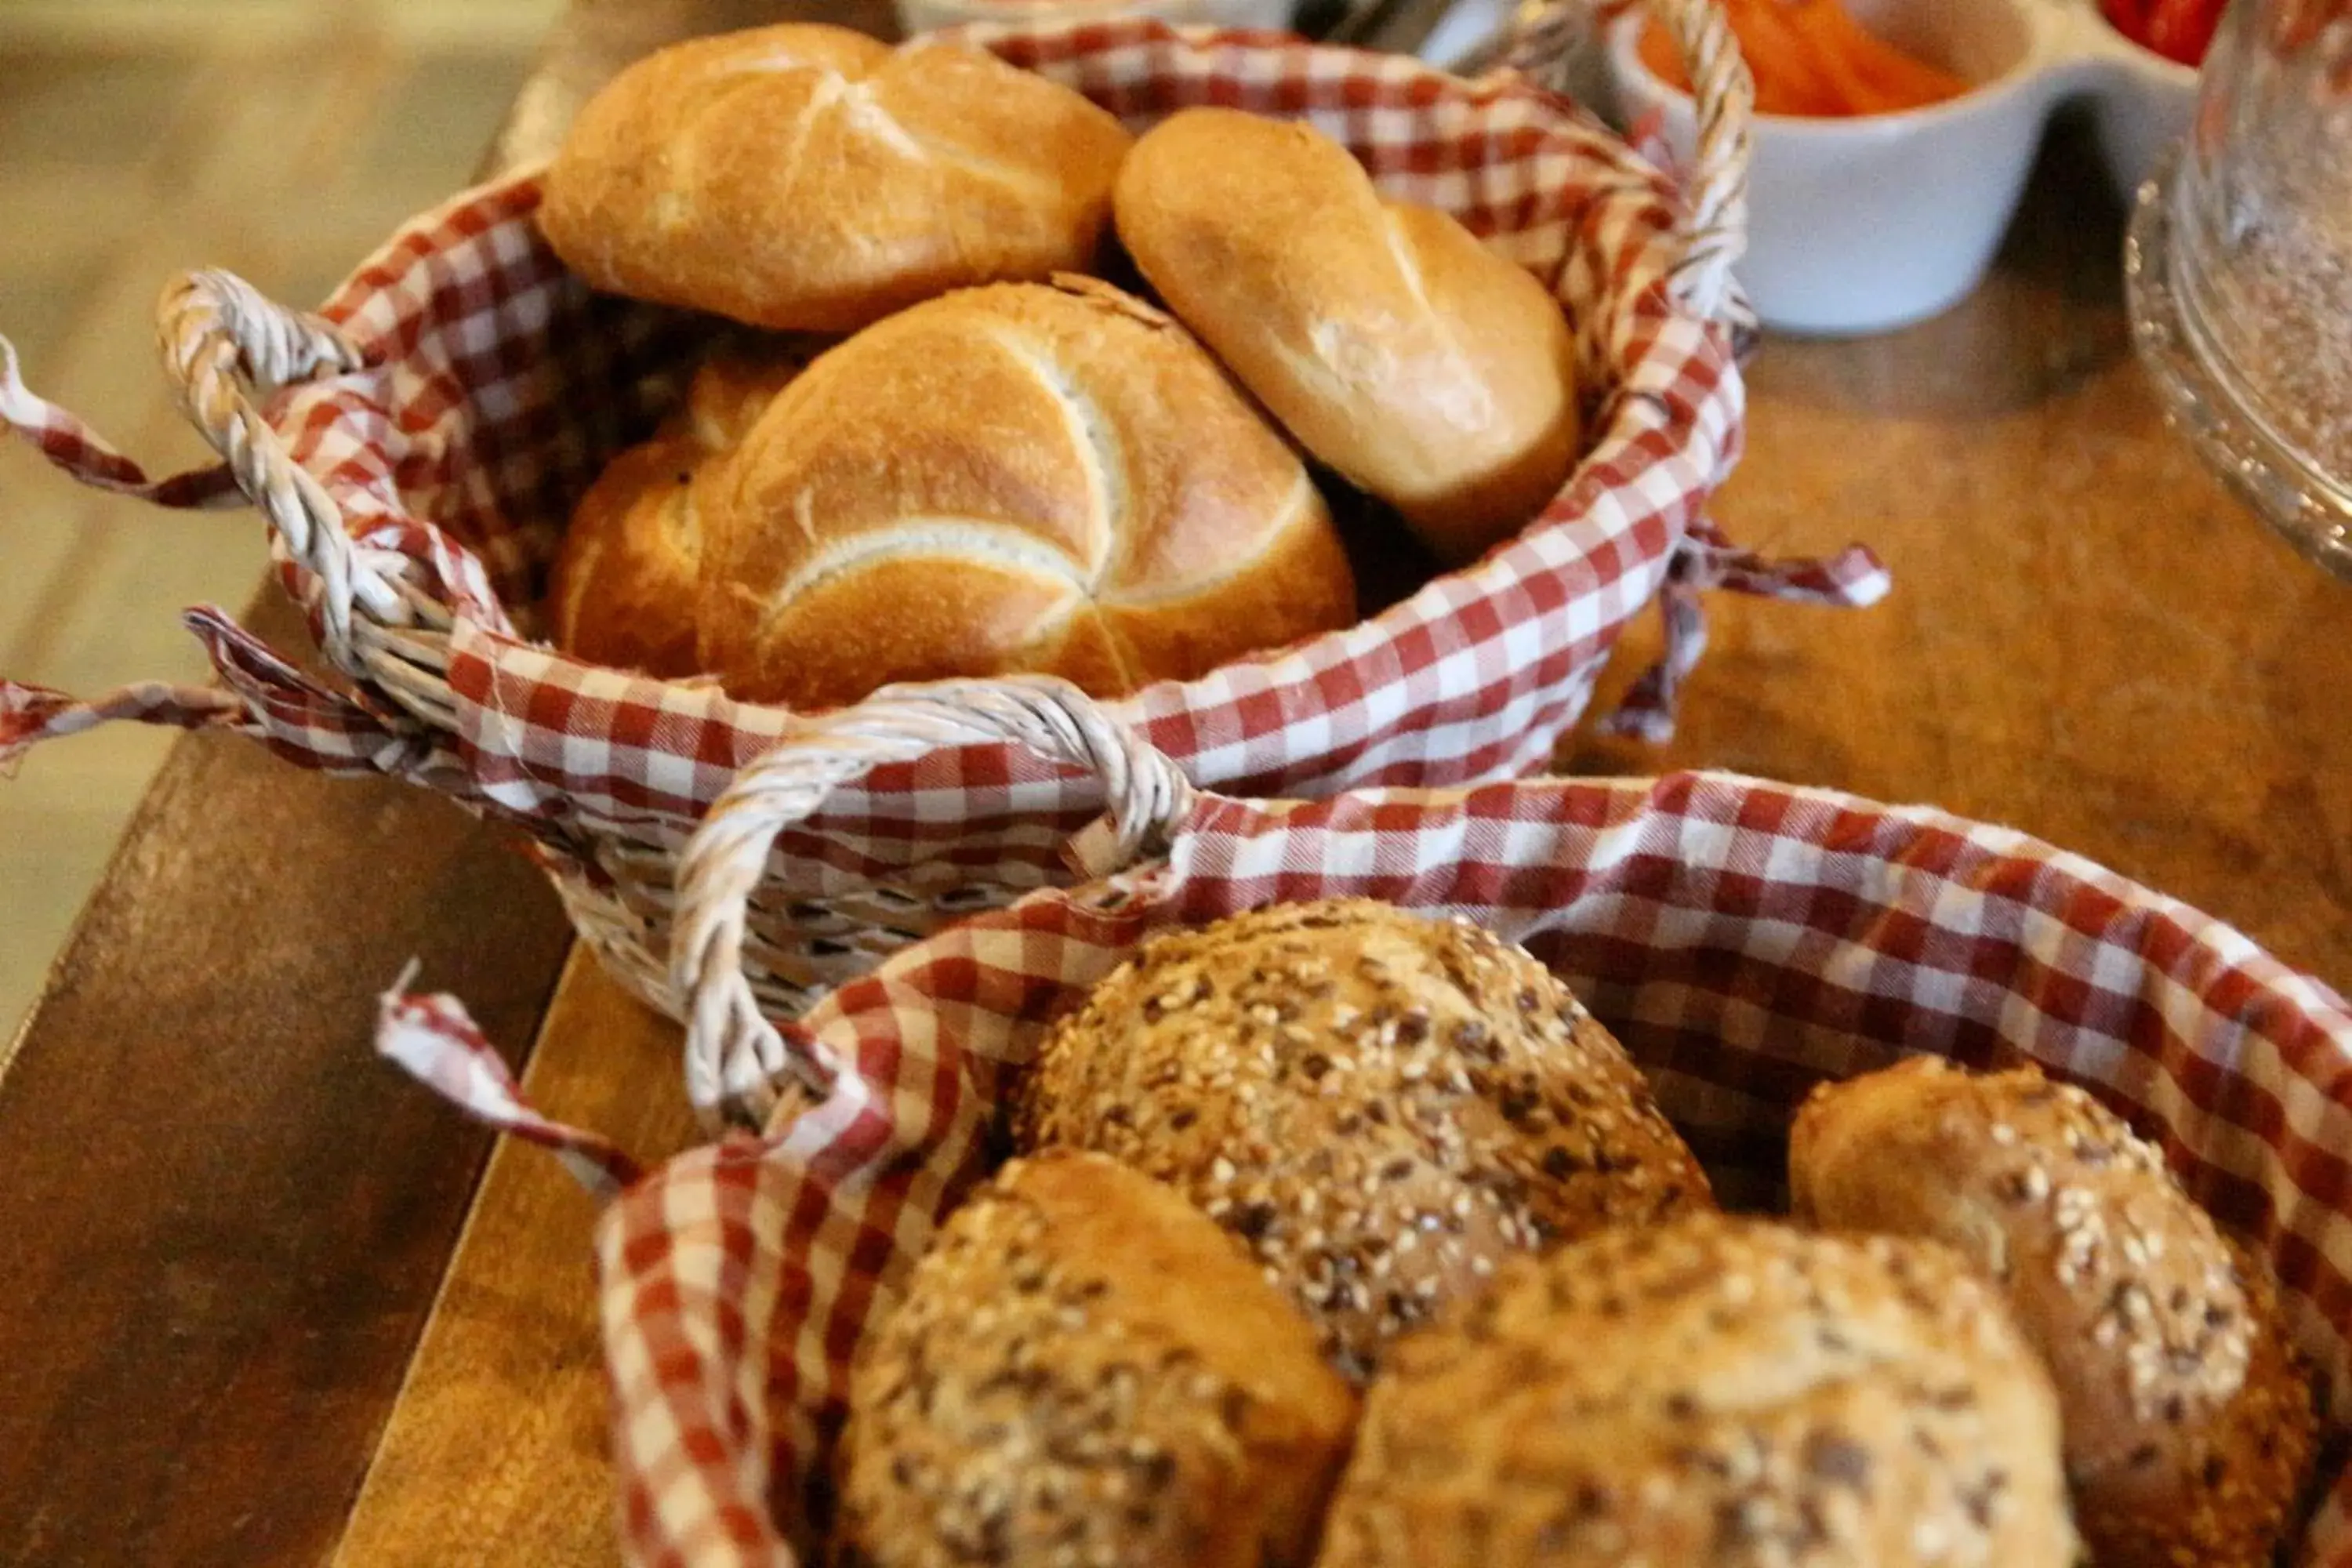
<point x="417" y="446"/>
<point x="433" y="1040"/>
<point x="1853" y="578"/>
<point x="260" y="694"/>
<point x="80" y="451"/>
<point x="31" y="714"/>
<point x="1745" y="940"/>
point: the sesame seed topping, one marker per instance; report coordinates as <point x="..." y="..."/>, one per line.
<point x="1778" y="1452"/>
<point x="2148" y="1295"/>
<point x="1473" y="1098"/>
<point x="1010" y="1407"/>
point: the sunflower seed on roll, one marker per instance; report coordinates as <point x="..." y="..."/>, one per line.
<point x="1711" y="1393"/>
<point x="2190" y="1427"/>
<point x="1383" y="1106"/>
<point x="1081" y="1370"/>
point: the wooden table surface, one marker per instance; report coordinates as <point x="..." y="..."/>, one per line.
<point x="263" y="1301"/>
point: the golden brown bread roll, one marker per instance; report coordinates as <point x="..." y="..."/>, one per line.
<point x="2189" y="1428"/>
<point x="1711" y="1393"/>
<point x="807" y="177"/>
<point x="1084" y="1370"/>
<point x="1383" y="1106"/>
<point x="1395" y="347"/>
<point x="626" y="575"/>
<point x="1053" y="479"/>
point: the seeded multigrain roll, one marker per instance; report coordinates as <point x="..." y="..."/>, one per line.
<point x="2189" y="1426"/>
<point x="1081" y="1371"/>
<point x="1382" y="1105"/>
<point x="1711" y="1393"/>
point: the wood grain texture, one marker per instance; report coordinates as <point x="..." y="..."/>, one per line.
<point x="222" y="1222"/>
<point x="496" y="1452"/>
<point x="2088" y="640"/>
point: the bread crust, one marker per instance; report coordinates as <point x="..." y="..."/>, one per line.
<point x="808" y="177"/>
<point x="2190" y="1427"/>
<point x="1393" y="346"/>
<point x="1021" y="478"/>
<point x="1383" y="1106"/>
<point x="623" y="586"/>
<point x="1082" y="1368"/>
<point x="1712" y="1394"/>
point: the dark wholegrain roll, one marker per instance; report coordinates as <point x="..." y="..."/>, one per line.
<point x="1712" y="1394"/>
<point x="1082" y="1370"/>
<point x="2189" y="1426"/>
<point x="1383" y="1106"/>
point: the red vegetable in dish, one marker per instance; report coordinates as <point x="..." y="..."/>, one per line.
<point x="2180" y="30"/>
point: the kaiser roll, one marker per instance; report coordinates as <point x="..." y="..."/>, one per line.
<point x="1383" y="1106"/>
<point x="626" y="575"/>
<point x="1081" y="1370"/>
<point x="1395" y="347"/>
<point x="1026" y="477"/>
<point x="808" y="177"/>
<point x="1711" y="1393"/>
<point x="2188" y="1426"/>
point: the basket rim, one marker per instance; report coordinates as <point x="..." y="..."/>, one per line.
<point x="1638" y="431"/>
<point x="2237" y="983"/>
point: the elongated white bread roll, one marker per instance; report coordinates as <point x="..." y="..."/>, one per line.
<point x="808" y="177"/>
<point x="1711" y="1393"/>
<point x="1027" y="477"/>
<point x="625" y="577"/>
<point x="1395" y="347"/>
<point x="1084" y="1370"/>
<point x="2189" y="1426"/>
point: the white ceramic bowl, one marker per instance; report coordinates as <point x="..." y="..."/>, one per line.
<point x="1866" y="224"/>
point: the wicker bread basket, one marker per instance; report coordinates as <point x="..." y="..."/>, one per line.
<point x="1745" y="940"/>
<point x="416" y="446"/>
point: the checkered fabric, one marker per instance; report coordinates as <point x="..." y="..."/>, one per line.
<point x="494" y="386"/>
<point x="1745" y="940"/>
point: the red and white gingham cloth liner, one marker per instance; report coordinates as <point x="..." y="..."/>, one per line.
<point x="1744" y="939"/>
<point x="496" y="385"/>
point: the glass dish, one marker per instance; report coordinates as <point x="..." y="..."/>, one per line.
<point x="2240" y="271"/>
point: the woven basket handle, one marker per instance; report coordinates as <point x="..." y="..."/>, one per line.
<point x="223" y="343"/>
<point x="1714" y="236"/>
<point x="734" y="1055"/>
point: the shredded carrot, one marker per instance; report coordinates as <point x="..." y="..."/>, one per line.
<point x="1810" y="58"/>
<point x="1913" y="81"/>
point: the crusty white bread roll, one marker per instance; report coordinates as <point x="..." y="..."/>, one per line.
<point x="626" y="578"/>
<point x="2188" y="1426"/>
<point x="1395" y="347"/>
<point x="1028" y="477"/>
<point x="1084" y="1370"/>
<point x="810" y="178"/>
<point x="1383" y="1106"/>
<point x="1711" y="1393"/>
